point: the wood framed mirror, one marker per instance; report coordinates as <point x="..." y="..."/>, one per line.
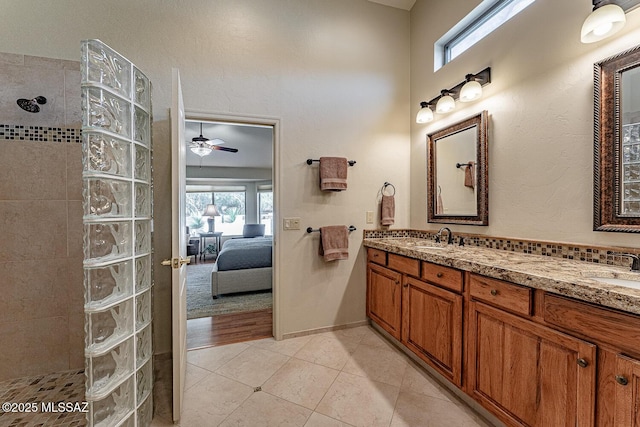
<point x="457" y="184"/>
<point x="616" y="186"/>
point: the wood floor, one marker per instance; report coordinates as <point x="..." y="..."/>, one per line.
<point x="229" y="328"/>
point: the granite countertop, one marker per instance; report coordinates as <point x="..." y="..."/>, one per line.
<point x="559" y="276"/>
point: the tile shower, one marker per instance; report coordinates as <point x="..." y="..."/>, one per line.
<point x="41" y="276"/>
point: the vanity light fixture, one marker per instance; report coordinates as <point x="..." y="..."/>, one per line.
<point x="425" y="114"/>
<point x="446" y="103"/>
<point x="468" y="90"/>
<point x="471" y="90"/>
<point x="604" y="21"/>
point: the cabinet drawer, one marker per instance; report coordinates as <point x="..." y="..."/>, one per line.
<point x="446" y="277"/>
<point x="514" y="298"/>
<point x="404" y="264"/>
<point x="377" y="256"/>
<point x="598" y="323"/>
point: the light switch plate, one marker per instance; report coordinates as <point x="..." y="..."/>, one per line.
<point x="291" y="223"/>
<point x="369" y="217"/>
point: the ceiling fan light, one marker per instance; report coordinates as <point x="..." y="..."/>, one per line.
<point x="602" y="23"/>
<point x="445" y="104"/>
<point x="425" y="114"/>
<point x="201" y="151"/>
<point x="471" y="91"/>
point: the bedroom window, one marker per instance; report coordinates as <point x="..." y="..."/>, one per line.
<point x="231" y="205"/>
<point x="265" y="210"/>
<point x="196" y="202"/>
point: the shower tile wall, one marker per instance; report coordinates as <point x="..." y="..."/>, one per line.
<point x="41" y="277"/>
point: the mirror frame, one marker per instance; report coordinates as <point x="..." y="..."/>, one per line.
<point x="607" y="143"/>
<point x="482" y="203"/>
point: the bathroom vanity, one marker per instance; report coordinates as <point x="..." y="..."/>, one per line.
<point x="535" y="340"/>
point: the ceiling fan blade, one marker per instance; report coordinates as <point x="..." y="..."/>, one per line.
<point x="230" y="150"/>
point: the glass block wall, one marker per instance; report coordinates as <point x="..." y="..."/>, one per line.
<point x="116" y="143"/>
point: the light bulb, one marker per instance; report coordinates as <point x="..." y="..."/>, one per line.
<point x="602" y="23"/>
<point x="471" y="91"/>
<point x="425" y="114"/>
<point x="445" y="104"/>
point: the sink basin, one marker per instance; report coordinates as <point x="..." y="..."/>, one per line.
<point x="629" y="280"/>
<point x="428" y="247"/>
<point x="635" y="284"/>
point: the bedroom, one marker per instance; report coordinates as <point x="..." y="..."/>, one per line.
<point x="229" y="206"/>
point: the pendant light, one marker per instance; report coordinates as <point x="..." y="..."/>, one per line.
<point x="425" y="114"/>
<point x="445" y="103"/>
<point x="603" y="22"/>
<point x="471" y="90"/>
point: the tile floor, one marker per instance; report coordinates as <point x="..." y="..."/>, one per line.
<point x="351" y="377"/>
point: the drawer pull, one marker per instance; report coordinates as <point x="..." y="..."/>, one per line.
<point x="494" y="292"/>
<point x="621" y="380"/>
<point x="439" y="275"/>
<point x="582" y="363"/>
<point x="406" y="285"/>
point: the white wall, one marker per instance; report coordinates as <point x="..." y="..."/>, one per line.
<point x="336" y="74"/>
<point x="540" y="104"/>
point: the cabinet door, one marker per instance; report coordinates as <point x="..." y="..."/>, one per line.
<point x="527" y="374"/>
<point x="618" y="389"/>
<point x="432" y="326"/>
<point x="627" y="377"/>
<point x="384" y="298"/>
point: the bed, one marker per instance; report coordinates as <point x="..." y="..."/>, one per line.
<point x="243" y="265"/>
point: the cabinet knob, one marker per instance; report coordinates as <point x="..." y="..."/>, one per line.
<point x="439" y="275"/>
<point x="494" y="292"/>
<point x="406" y="285"/>
<point x="620" y="379"/>
<point x="582" y="363"/>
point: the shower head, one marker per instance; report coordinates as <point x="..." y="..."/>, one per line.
<point x="31" y="105"/>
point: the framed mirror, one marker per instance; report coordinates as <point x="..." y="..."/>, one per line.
<point x="616" y="188"/>
<point x="457" y="185"/>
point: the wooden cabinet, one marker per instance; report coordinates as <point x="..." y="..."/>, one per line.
<point x="528" y="374"/>
<point x="530" y="357"/>
<point x="432" y="326"/>
<point x="618" y="390"/>
<point x="384" y="293"/>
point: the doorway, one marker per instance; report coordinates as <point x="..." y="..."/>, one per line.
<point x="231" y="210"/>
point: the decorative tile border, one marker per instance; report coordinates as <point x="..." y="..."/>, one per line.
<point x="40" y="133"/>
<point x="595" y="254"/>
<point x="66" y="387"/>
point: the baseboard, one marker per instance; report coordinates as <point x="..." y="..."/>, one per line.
<point x="325" y="329"/>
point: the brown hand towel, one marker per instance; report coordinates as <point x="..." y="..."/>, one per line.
<point x="387" y="210"/>
<point x="333" y="173"/>
<point x="334" y="242"/>
<point x="469" y="172"/>
<point x="439" y="207"/>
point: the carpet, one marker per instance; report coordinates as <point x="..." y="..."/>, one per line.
<point x="200" y="303"/>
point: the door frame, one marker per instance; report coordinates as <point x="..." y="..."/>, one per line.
<point x="275" y="178"/>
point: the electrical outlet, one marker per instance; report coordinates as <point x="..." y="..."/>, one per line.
<point x="291" y="223"/>
<point x="369" y="217"/>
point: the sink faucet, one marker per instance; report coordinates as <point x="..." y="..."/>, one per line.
<point x="635" y="260"/>
<point x="450" y="235"/>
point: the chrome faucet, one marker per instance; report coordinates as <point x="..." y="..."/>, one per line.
<point x="635" y="260"/>
<point x="450" y="235"/>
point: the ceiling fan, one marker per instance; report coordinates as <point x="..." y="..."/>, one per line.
<point x="203" y="146"/>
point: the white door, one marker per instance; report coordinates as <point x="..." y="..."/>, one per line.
<point x="178" y="246"/>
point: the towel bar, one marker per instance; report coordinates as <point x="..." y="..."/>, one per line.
<point x="311" y="230"/>
<point x="461" y="165"/>
<point x="311" y="161"/>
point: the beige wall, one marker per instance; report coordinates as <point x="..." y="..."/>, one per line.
<point x="41" y="309"/>
<point x="540" y="103"/>
<point x="334" y="72"/>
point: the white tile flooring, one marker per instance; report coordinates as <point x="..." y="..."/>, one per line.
<point x="351" y="377"/>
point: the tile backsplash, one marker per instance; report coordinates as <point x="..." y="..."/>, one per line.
<point x="588" y="253"/>
<point x="40" y="133"/>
